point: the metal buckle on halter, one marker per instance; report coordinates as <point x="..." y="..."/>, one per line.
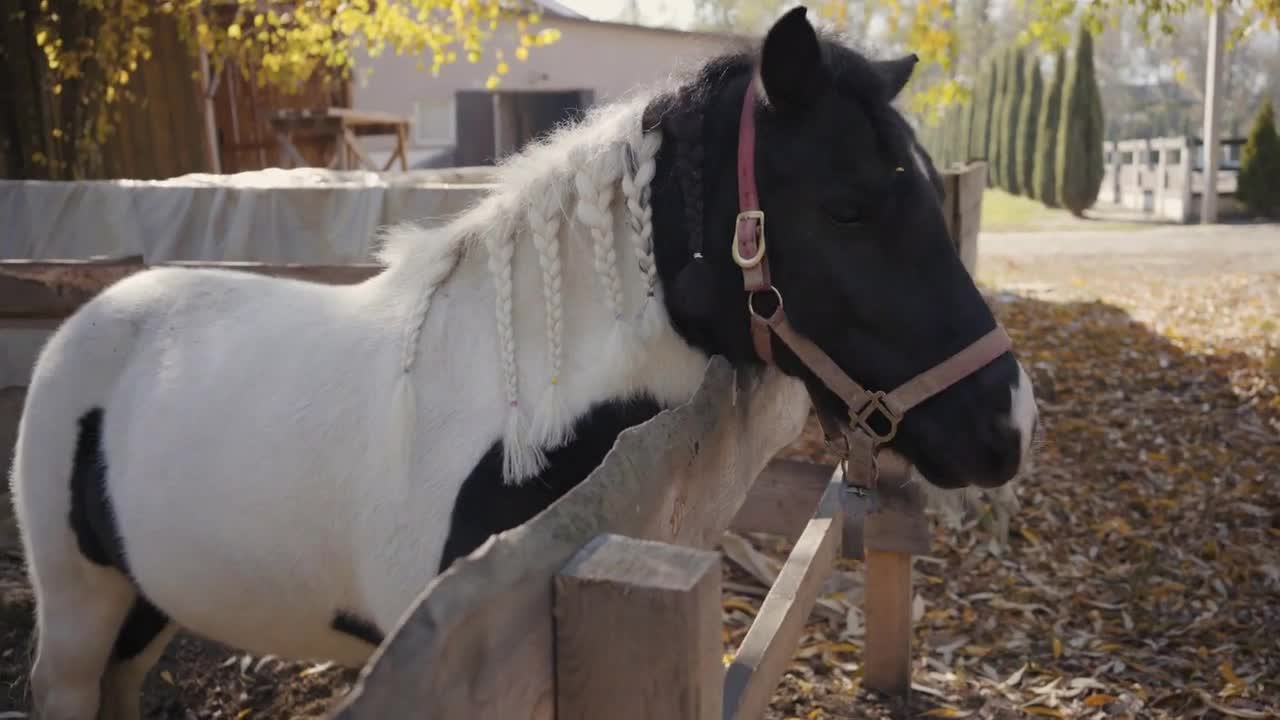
<point x="751" y="304"/>
<point x="876" y="405"/>
<point x="754" y="260"/>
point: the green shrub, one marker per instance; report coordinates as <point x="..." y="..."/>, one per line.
<point x="1259" y="181"/>
<point x="997" y="111"/>
<point x="1044" y="176"/>
<point x="980" y="131"/>
<point x="1009" y="168"/>
<point x="1028" y="125"/>
<point x="1080" y="135"/>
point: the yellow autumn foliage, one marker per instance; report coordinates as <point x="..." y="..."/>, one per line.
<point x="277" y="43"/>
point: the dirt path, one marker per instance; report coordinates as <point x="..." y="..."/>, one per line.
<point x="1190" y="249"/>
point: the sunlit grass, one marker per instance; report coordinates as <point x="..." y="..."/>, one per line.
<point x="1002" y="212"/>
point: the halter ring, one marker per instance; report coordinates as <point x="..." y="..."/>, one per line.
<point x="754" y="260"/>
<point x="751" y="303"/>
<point x="876" y="405"/>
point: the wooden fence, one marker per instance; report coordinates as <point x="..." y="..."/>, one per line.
<point x="607" y="604"/>
<point x="1164" y="177"/>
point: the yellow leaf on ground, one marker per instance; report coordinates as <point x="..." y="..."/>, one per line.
<point x="1043" y="711"/>
<point x="947" y="712"/>
<point x="1229" y="674"/>
<point x="1099" y="700"/>
<point x="839" y="647"/>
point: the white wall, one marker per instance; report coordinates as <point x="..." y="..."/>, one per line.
<point x="608" y="58"/>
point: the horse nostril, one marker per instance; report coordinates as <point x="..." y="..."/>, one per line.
<point x="1004" y="452"/>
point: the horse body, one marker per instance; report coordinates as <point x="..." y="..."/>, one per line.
<point x="251" y="435"/>
<point x="283" y="466"/>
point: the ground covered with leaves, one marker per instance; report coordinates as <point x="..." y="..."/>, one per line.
<point x="1140" y="577"/>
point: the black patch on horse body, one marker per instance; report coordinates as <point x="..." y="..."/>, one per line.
<point x="357" y="627"/>
<point x="141" y="626"/>
<point x="486" y="505"/>
<point x="92" y="518"/>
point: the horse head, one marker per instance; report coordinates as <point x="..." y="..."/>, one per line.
<point x="859" y="254"/>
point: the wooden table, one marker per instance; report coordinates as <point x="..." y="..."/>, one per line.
<point x="344" y="125"/>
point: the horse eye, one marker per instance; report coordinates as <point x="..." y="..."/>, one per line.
<point x="843" y="212"/>
<point x="846" y="216"/>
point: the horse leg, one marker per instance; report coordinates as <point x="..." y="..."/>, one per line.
<point x="78" y="614"/>
<point x="141" y="641"/>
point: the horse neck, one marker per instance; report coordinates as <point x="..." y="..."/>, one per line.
<point x="560" y="270"/>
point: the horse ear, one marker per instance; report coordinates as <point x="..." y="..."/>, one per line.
<point x="791" y="69"/>
<point x="896" y="73"/>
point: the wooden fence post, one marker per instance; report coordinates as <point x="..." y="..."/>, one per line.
<point x="637" y="632"/>
<point x="895" y="529"/>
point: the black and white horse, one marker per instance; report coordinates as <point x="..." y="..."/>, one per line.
<point x="282" y="466"/>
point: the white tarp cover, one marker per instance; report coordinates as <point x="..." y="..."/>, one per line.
<point x="302" y="215"/>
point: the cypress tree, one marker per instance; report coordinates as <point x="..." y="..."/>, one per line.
<point x="981" y="130"/>
<point x="970" y="115"/>
<point x="1259" y="181"/>
<point x="955" y="120"/>
<point x="997" y="107"/>
<point x="1029" y="108"/>
<point x="1080" y="135"/>
<point x="1009" y="172"/>
<point x="944" y="131"/>
<point x="1044" y="175"/>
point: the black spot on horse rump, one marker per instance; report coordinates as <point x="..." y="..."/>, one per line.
<point x="143" y="623"/>
<point x="486" y="505"/>
<point x="93" y="520"/>
<point x="349" y="623"/>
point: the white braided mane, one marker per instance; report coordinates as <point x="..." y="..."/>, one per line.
<point x="582" y="190"/>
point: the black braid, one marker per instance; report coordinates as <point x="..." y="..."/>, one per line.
<point x="689" y="158"/>
<point x="682" y="117"/>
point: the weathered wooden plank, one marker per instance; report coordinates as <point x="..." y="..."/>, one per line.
<point x="774" y="634"/>
<point x="782" y="499"/>
<point x="637" y="626"/>
<point x="887" y="604"/>
<point x="950" y="184"/>
<point x="55" y="289"/>
<point x="895" y="513"/>
<point x="971" y="182"/>
<point x="894" y="530"/>
<point x="478" y="641"/>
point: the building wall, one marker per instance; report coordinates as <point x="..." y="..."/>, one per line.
<point x="609" y="59"/>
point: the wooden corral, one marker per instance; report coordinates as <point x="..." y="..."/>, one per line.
<point x="247" y="136"/>
<point x="1163" y="178"/>
<point x="341" y="128"/>
<point x="607" y="603"/>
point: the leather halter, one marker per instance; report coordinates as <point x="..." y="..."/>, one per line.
<point x="857" y="435"/>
